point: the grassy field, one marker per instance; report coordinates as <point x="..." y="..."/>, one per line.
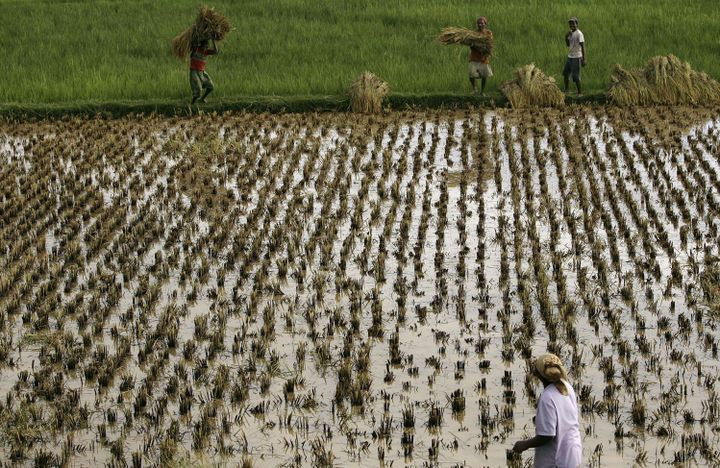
<point x="99" y="51"/>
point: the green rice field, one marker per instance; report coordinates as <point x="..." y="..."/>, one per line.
<point x="105" y="51"/>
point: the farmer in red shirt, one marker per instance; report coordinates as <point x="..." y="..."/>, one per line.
<point x="479" y="64"/>
<point x="199" y="79"/>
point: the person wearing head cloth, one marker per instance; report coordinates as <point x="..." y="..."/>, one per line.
<point x="557" y="440"/>
<point x="479" y="64"/>
<point x="575" y="40"/>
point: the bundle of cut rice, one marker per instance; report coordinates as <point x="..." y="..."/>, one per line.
<point x="209" y="24"/>
<point x="665" y="80"/>
<point x="367" y="93"/>
<point x="482" y="41"/>
<point x="628" y="88"/>
<point x="182" y="42"/>
<point x="532" y="88"/>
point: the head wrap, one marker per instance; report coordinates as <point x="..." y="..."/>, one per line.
<point x="550" y="368"/>
<point x="573" y="19"/>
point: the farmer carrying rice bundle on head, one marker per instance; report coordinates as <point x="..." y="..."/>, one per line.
<point x="557" y="442"/>
<point x="209" y="26"/>
<point x="481" y="44"/>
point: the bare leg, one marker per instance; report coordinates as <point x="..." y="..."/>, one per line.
<point x="483" y="82"/>
<point x="567" y="83"/>
<point x="578" y="86"/>
<point x="474" y="86"/>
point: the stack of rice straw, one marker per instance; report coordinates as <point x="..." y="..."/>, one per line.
<point x="665" y="80"/>
<point x="532" y="88"/>
<point x="209" y="24"/>
<point x="367" y="93"/>
<point x="480" y="41"/>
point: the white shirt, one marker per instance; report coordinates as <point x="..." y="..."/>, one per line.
<point x="576" y="38"/>
<point x="557" y="416"/>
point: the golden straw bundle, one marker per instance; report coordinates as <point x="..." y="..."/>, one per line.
<point x="209" y="24"/>
<point x="482" y="41"/>
<point x="532" y="88"/>
<point x="665" y="80"/>
<point x="182" y="42"/>
<point x="367" y="93"/>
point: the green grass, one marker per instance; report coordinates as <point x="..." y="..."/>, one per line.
<point x="106" y="51"/>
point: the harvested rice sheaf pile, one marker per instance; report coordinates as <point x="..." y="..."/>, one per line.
<point x="532" y="88"/>
<point x="367" y="93"/>
<point x="209" y="24"/>
<point x="665" y="80"/>
<point x="482" y="42"/>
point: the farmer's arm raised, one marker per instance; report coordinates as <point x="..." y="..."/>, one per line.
<point x="214" y="50"/>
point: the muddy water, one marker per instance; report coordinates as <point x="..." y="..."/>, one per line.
<point x="466" y="174"/>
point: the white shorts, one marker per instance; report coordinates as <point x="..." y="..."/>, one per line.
<point x="479" y="70"/>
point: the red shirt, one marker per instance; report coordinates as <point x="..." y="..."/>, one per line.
<point x="476" y="55"/>
<point x="198" y="56"/>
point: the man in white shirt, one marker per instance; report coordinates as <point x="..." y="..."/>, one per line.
<point x="557" y="440"/>
<point x="575" y="41"/>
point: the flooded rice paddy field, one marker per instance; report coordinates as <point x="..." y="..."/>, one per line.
<point x="332" y="289"/>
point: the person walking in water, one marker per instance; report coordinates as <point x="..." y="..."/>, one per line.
<point x="575" y="40"/>
<point x="479" y="64"/>
<point x="199" y="79"/>
<point x="557" y="440"/>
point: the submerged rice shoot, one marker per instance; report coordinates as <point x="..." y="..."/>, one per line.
<point x="209" y="24"/>
<point x="367" y="93"/>
<point x="532" y="88"/>
<point x="710" y="284"/>
<point x="481" y="41"/>
<point x="665" y="80"/>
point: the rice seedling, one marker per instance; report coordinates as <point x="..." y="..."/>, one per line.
<point x="457" y="402"/>
<point x="435" y="417"/>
